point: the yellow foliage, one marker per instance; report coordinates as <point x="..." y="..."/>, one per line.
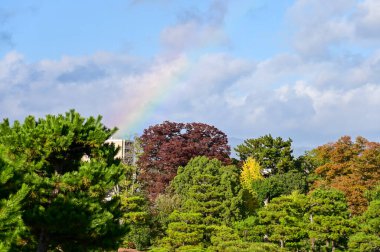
<point x="251" y="171"/>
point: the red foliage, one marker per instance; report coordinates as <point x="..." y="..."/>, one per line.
<point x="169" y="145"/>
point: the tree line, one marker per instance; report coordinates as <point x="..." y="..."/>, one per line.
<point x="185" y="193"/>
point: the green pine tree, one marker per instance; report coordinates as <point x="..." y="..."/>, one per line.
<point x="11" y="223"/>
<point x="11" y="198"/>
<point x="184" y="229"/>
<point x="136" y="214"/>
<point x="68" y="207"/>
<point x="274" y="155"/>
<point x="210" y="188"/>
<point x="283" y="220"/>
<point x="329" y="221"/>
<point x="210" y="195"/>
<point x="367" y="237"/>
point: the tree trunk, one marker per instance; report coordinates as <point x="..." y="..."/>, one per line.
<point x="312" y="240"/>
<point x="282" y="243"/>
<point x="43" y="242"/>
<point x="327" y="243"/>
<point x="332" y="246"/>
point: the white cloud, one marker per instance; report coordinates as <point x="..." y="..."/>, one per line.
<point x="39" y="88"/>
<point x="367" y="19"/>
<point x="284" y="95"/>
<point x="319" y="24"/>
<point x="273" y="97"/>
<point x="322" y="26"/>
<point x="190" y="35"/>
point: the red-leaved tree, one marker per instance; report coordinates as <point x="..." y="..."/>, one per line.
<point x="169" y="145"/>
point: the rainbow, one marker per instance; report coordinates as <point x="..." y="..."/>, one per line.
<point x="143" y="94"/>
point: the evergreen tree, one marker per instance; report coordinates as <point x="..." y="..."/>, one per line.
<point x="184" y="230"/>
<point x="273" y="154"/>
<point x="278" y="185"/>
<point x="11" y="223"/>
<point x="225" y="239"/>
<point x="249" y="229"/>
<point x="367" y="237"/>
<point x="136" y="214"/>
<point x="67" y="207"/>
<point x="164" y="205"/>
<point x="283" y="220"/>
<point x="210" y="195"/>
<point x="328" y="218"/>
<point x="210" y="188"/>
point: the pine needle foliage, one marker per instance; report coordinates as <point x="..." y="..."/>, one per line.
<point x="274" y="154"/>
<point x="66" y="208"/>
<point x="11" y="224"/>
<point x="208" y="187"/>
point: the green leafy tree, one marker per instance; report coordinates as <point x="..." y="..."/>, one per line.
<point x="373" y="194"/>
<point x="363" y="242"/>
<point x="11" y="223"/>
<point x="184" y="230"/>
<point x="328" y="219"/>
<point x="308" y="162"/>
<point x="164" y="205"/>
<point x="67" y="207"/>
<point x="273" y="154"/>
<point x="208" y="187"/>
<point x="249" y="229"/>
<point x="283" y="220"/>
<point x="372" y="217"/>
<point x="367" y="237"/>
<point x="210" y="195"/>
<point x="278" y="185"/>
<point x="136" y="214"/>
<point x="225" y="238"/>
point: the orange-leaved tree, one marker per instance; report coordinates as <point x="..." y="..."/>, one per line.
<point x="352" y="167"/>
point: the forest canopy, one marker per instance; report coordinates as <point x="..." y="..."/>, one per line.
<point x="63" y="189"/>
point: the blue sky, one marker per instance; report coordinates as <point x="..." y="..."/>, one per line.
<point x="304" y="69"/>
<point x="46" y="29"/>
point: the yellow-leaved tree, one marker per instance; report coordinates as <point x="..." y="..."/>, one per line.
<point x="251" y="171"/>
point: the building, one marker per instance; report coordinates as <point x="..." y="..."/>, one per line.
<point x="126" y="151"/>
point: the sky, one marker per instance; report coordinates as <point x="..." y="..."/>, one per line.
<point x="308" y="70"/>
